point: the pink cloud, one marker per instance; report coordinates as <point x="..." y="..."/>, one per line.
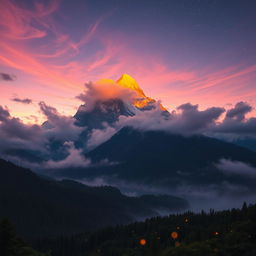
<point x="58" y="66"/>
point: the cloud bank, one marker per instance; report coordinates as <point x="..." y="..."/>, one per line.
<point x="186" y="119"/>
<point x="39" y="143"/>
<point x="60" y="138"/>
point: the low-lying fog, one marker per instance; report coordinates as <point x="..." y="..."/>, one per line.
<point x="225" y="196"/>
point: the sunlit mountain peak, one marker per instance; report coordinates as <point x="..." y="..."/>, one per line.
<point x="108" y="89"/>
<point x="105" y="81"/>
<point x="129" y="82"/>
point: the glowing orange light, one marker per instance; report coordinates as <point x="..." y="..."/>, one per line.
<point x="186" y="220"/>
<point x="216" y="233"/>
<point x="143" y="242"/>
<point x="174" y="235"/>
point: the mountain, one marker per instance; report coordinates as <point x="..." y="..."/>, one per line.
<point x="246" y="142"/>
<point x="129" y="82"/>
<point x="161" y="159"/>
<point x="111" y="106"/>
<point x="42" y="207"/>
<point x="107" y="110"/>
<point x="106" y="102"/>
<point x="140" y="101"/>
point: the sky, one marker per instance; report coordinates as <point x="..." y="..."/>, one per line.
<point x="179" y="51"/>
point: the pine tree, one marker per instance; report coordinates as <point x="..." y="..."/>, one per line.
<point x="11" y="245"/>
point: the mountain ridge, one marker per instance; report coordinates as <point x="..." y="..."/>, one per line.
<point x="44" y="207"/>
<point x="164" y="160"/>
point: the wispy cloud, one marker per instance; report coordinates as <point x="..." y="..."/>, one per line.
<point x="24" y="101"/>
<point x="7" y="77"/>
<point x="60" y="61"/>
<point x="236" y="168"/>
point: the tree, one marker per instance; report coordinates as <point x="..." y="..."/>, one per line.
<point x="11" y="244"/>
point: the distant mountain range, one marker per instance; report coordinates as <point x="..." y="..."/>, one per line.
<point x="41" y="207"/>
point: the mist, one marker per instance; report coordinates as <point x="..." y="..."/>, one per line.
<point x="225" y="196"/>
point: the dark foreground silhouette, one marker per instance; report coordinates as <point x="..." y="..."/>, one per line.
<point x="11" y="244"/>
<point x="227" y="233"/>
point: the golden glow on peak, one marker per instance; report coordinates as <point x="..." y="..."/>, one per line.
<point x="143" y="102"/>
<point x="127" y="81"/>
<point x="105" y="81"/>
<point x="139" y="99"/>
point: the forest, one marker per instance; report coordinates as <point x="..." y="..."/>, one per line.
<point x="230" y="233"/>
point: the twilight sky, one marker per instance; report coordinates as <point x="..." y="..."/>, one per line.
<point x="179" y="51"/>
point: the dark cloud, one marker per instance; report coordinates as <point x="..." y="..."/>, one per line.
<point x="47" y="142"/>
<point x="239" y="111"/>
<point x="12" y="127"/>
<point x="24" y="101"/>
<point x="196" y="120"/>
<point x="236" y="123"/>
<point x="237" y="128"/>
<point x="57" y="126"/>
<point x="7" y="77"/>
<point x="50" y="112"/>
<point x="187" y="119"/>
<point x="4" y="114"/>
<point x="20" y="141"/>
